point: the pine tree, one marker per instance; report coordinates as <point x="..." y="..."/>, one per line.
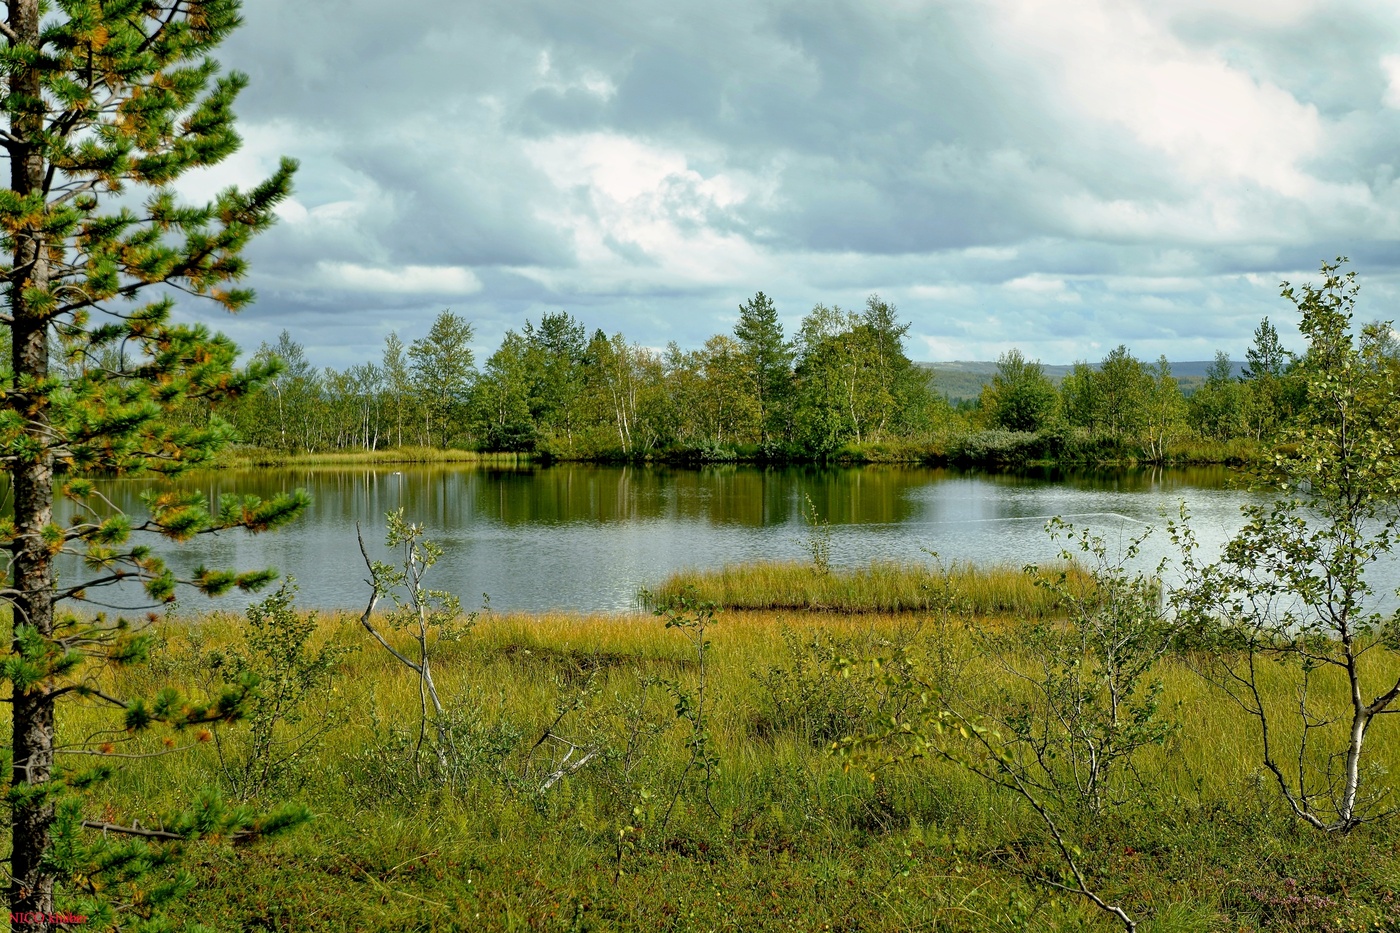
<point x="770" y="359"/>
<point x="557" y="350"/>
<point x="105" y="98"/>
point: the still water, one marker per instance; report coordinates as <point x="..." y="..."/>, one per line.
<point x="588" y="537"/>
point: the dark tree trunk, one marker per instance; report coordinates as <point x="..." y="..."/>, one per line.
<point x="31" y="885"/>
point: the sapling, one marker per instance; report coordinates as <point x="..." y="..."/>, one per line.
<point x="1065" y="740"/>
<point x="429" y="617"/>
<point x="1290" y="598"/>
<point x="818" y="539"/>
<point x="692" y="618"/>
<point x="274" y="647"/>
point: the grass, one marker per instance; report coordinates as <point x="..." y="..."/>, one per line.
<point x="787" y="839"/>
<point x="882" y="586"/>
<point x="247" y="457"/>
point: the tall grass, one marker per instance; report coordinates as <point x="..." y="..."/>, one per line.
<point x="244" y="457"/>
<point x="793" y="841"/>
<point x="882" y="586"/>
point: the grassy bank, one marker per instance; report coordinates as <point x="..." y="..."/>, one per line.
<point x="780" y="835"/>
<point x="245" y="457"/>
<point x="881" y="587"/>
<point x="990" y="450"/>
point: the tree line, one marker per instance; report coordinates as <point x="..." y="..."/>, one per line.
<point x="842" y="386"/>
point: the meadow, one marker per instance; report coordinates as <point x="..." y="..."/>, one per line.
<point x="710" y="796"/>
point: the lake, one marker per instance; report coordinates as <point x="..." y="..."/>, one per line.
<point x="586" y="537"/>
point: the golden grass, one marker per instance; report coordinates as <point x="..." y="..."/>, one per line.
<point x="247" y="457"/>
<point x="775" y="787"/>
<point x="882" y="586"/>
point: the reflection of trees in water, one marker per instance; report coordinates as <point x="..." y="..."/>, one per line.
<point x="451" y="496"/>
<point x="1146" y="478"/>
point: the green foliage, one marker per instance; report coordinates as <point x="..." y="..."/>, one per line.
<point x="431" y="617"/>
<point x="1076" y="707"/>
<point x="817" y="696"/>
<point x="1206" y="847"/>
<point x="768" y="361"/>
<point x="501" y="397"/>
<point x="853" y="380"/>
<point x="999" y="449"/>
<point x="843" y="390"/>
<point x="817" y="541"/>
<point x="1292" y="587"/>
<point x="477" y="746"/>
<point x="1164" y="416"/>
<point x="879" y="587"/>
<point x="442" y="373"/>
<point x="1216" y="409"/>
<point x="103" y="101"/>
<point x="1020" y="397"/>
<point x="292" y="681"/>
<point x="1094" y="702"/>
<point x="692" y="618"/>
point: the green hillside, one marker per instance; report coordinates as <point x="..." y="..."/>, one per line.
<point x="964" y="379"/>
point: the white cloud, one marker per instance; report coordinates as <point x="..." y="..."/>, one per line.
<point x="415" y="280"/>
<point x="956" y="294"/>
<point x="1039" y="284"/>
<point x="589" y="81"/>
<point x="1117" y="65"/>
<point x="641" y="213"/>
<point x="1390" y="64"/>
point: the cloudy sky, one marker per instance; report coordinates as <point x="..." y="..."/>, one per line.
<point x="1058" y="175"/>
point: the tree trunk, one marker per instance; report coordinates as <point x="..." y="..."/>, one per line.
<point x="31" y="882"/>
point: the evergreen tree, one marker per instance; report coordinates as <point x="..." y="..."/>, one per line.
<point x="557" y="349"/>
<point x="1266" y="357"/>
<point x="1268" y="399"/>
<point x="105" y="97"/>
<point x="769" y="357"/>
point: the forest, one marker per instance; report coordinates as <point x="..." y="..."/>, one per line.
<point x="842" y="388"/>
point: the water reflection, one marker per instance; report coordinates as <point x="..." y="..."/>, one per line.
<point x="586" y="537"/>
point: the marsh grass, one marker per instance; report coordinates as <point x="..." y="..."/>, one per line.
<point x="798" y="842"/>
<point x="247" y="457"/>
<point x="880" y="587"/>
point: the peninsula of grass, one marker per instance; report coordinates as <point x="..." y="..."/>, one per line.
<point x="879" y="587"/>
<point x="779" y="836"/>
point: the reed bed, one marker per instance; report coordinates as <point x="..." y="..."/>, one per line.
<point x="247" y="457"/>
<point x="882" y="586"/>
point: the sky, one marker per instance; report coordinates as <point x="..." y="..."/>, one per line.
<point x="1060" y="176"/>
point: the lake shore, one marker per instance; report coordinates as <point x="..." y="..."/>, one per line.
<point x="778" y="834"/>
<point x="990" y="450"/>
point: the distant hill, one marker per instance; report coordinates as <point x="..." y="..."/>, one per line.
<point x="964" y="379"/>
